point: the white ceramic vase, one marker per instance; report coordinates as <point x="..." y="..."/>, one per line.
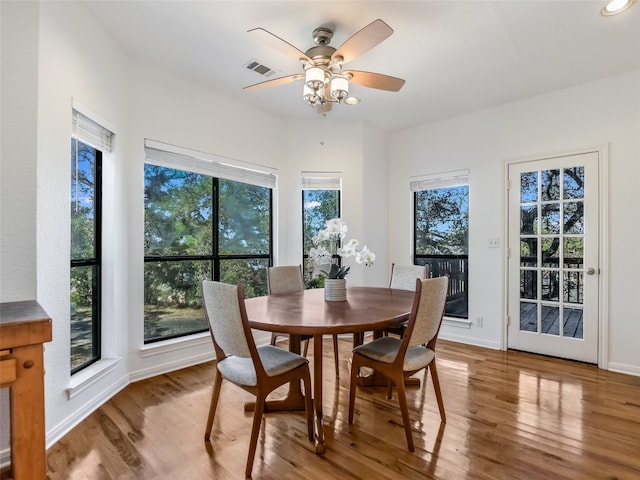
<point x="335" y="289"/>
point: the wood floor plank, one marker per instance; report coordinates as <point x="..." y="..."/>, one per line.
<point x="510" y="415"/>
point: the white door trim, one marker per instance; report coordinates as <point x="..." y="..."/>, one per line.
<point x="603" y="240"/>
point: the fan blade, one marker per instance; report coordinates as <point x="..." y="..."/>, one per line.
<point x="274" y="82"/>
<point x="363" y="40"/>
<point x="375" y="80"/>
<point x="279" y="44"/>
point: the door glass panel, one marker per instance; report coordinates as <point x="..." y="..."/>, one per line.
<point x="550" y="247"/>
<point x="573" y="183"/>
<point x="573" y="252"/>
<point x="550" y="185"/>
<point x="529" y="187"/>
<point x="550" y="285"/>
<point x="529" y="316"/>
<point x="550" y="218"/>
<point x="529" y="284"/>
<point x="572" y="325"/>
<point x="550" y="319"/>
<point x="573" y="287"/>
<point x="574" y="217"/>
<point x="528" y="252"/>
<point x="529" y="220"/>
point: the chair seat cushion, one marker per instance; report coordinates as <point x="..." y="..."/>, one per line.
<point x="385" y="350"/>
<point x="275" y="361"/>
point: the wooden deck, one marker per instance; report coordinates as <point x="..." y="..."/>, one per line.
<point x="571" y="325"/>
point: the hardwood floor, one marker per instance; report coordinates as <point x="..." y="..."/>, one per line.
<point x="510" y="415"/>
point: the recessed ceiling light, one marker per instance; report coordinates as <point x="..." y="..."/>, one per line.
<point x="616" y="6"/>
<point x="351" y="100"/>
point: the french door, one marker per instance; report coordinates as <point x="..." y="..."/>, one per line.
<point x="553" y="256"/>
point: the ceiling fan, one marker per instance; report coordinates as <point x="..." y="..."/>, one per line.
<point x="325" y="82"/>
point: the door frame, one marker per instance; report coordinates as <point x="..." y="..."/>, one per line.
<point x="603" y="244"/>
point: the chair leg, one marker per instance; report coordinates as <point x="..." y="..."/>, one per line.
<point x="308" y="405"/>
<point x="335" y="354"/>
<point x="274" y="338"/>
<point x="255" y="430"/>
<point x="217" y="384"/>
<point x="404" y="409"/>
<point x="436" y="387"/>
<point x="355" y="366"/>
<point x="306" y="348"/>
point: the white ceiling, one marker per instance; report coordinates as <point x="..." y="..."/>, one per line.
<point x="456" y="56"/>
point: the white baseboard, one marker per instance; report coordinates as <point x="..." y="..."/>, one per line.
<point x="623" y="368"/>
<point x="478" y="342"/>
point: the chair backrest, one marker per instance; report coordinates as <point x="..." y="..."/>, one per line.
<point x="427" y="312"/>
<point x="284" y="279"/>
<point x="403" y="277"/>
<point x="222" y="306"/>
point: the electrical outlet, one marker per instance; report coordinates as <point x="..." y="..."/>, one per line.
<point x="494" y="243"/>
<point x="479" y="322"/>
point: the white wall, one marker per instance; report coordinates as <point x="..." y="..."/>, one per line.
<point x="18" y="132"/>
<point x="600" y="113"/>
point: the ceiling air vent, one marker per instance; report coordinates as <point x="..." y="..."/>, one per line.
<point x="260" y="68"/>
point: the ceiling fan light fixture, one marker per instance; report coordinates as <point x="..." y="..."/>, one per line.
<point x="339" y="88"/>
<point x="314" y="77"/>
<point x="616" y="6"/>
<point x="311" y="96"/>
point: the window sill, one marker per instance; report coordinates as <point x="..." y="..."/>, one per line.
<point x="167" y="346"/>
<point x="90" y="375"/>
<point x="457" y="322"/>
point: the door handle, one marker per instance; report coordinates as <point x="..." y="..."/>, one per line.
<point x="590" y="271"/>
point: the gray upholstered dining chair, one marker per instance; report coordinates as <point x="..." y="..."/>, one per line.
<point x="399" y="358"/>
<point x="257" y="369"/>
<point x="403" y="277"/>
<point x="285" y="279"/>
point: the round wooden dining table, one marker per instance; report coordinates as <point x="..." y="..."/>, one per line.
<point x="307" y="313"/>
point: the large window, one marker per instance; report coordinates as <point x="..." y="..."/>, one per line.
<point x="88" y="142"/>
<point x="198" y="227"/>
<point x="441" y="222"/>
<point x="320" y="202"/>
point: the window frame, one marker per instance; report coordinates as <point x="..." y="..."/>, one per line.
<point x="95" y="262"/>
<point x="437" y="182"/>
<point x="216" y="169"/>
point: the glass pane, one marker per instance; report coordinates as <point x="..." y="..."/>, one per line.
<point x="551" y="252"/>
<point x="573" y="217"/>
<point x="550" y="320"/>
<point x="245" y="219"/>
<point x="84" y="293"/>
<point x="574" y="182"/>
<point x="528" y="187"/>
<point x="318" y="206"/>
<point x="551" y="285"/>
<point x="573" y="287"/>
<point x="177" y="219"/>
<point x="528" y="252"/>
<point x="529" y="220"/>
<point x="550" y="218"/>
<point x="442" y="221"/>
<point x="572" y="326"/>
<point x="252" y="273"/>
<point x="573" y="252"/>
<point x="83" y="193"/>
<point x="173" y="298"/>
<point x="550" y="185"/>
<point x="529" y="284"/>
<point x="529" y="316"/>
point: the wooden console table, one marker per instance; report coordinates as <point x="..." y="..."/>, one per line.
<point x="24" y="327"/>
